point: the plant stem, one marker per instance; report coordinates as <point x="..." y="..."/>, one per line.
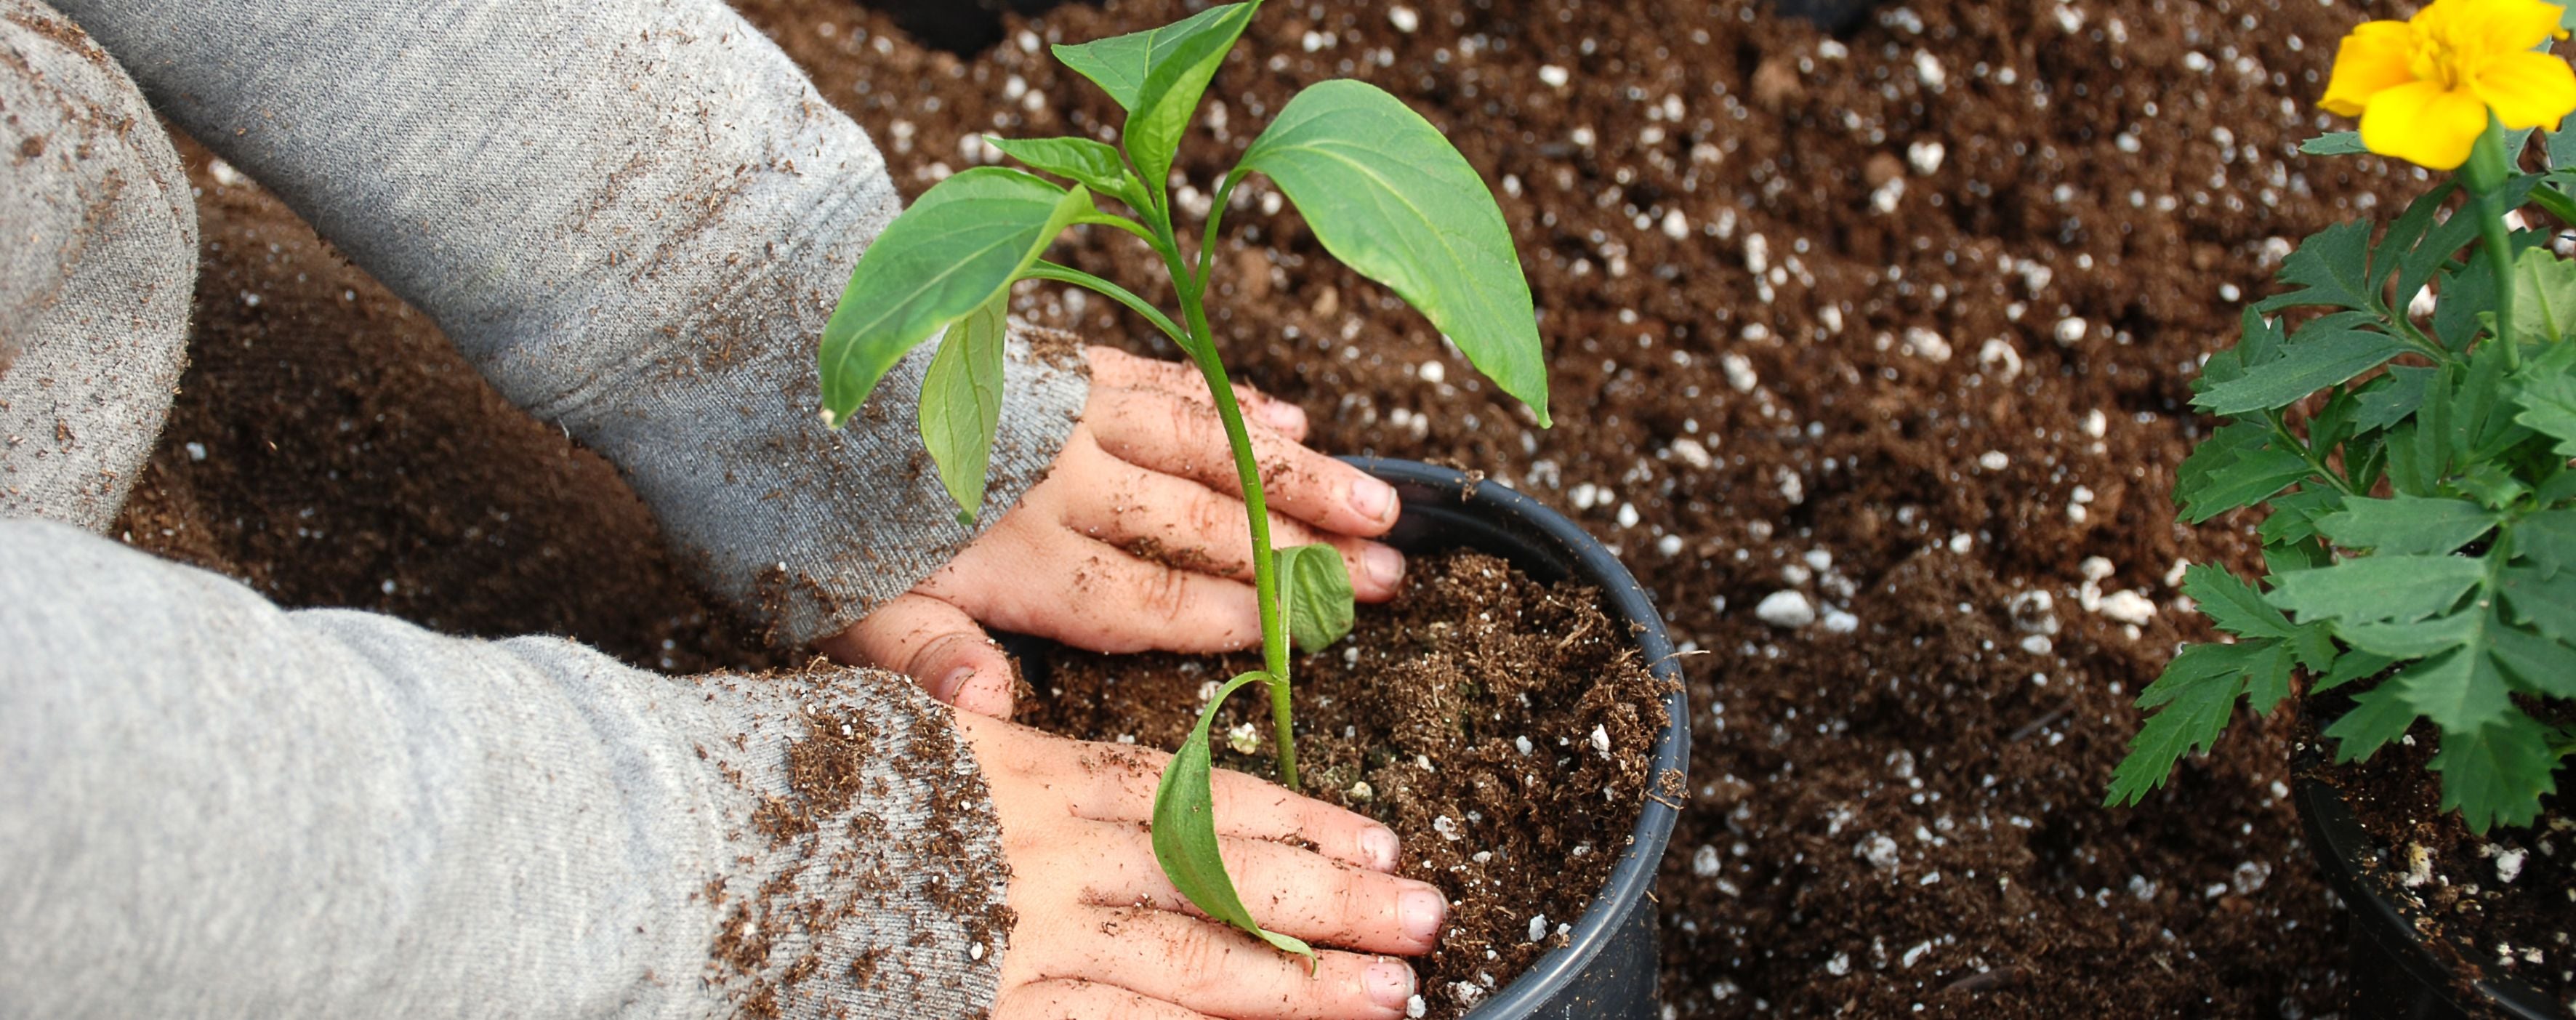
<point x="1044" y="270"/>
<point x="2316" y="463"/>
<point x="2497" y="244"/>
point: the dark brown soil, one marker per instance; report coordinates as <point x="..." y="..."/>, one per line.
<point x="1795" y="347"/>
<point x="2501" y="904"/>
<point x="1505" y="730"/>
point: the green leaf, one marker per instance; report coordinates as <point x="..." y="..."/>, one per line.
<point x="2468" y="293"/>
<point x="2334" y="143"/>
<point x="2548" y="538"/>
<point x="2459" y="690"/>
<point x="2562" y="143"/>
<point x="2236" y="466"/>
<point x="2294" y="517"/>
<point x="1315" y="593"/>
<point x="2258" y="340"/>
<point x="2545" y="389"/>
<point x="2540" y="665"/>
<point x="1095" y="165"/>
<point x="963" y="242"/>
<point x="961" y="402"/>
<point x="2439" y="244"/>
<point x="2197" y="694"/>
<point x="2330" y="267"/>
<point x="2414" y="640"/>
<point x="2350" y="667"/>
<point x="2404" y="235"/>
<point x="2545" y="601"/>
<point x="2496" y="773"/>
<point x="2557" y="488"/>
<point x="2491" y="484"/>
<point x="1158" y="75"/>
<point x="2303" y="368"/>
<point x="2233" y="604"/>
<point x="2369" y="589"/>
<point x="2544" y="296"/>
<point x="1184" y="831"/>
<point x="2407" y="524"/>
<point x="2378" y="716"/>
<point x="2389" y="399"/>
<point x="2267" y="676"/>
<point x="1387" y="194"/>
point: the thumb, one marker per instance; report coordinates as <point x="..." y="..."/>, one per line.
<point x="937" y="645"/>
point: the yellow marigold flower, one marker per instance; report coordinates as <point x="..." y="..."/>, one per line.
<point x="2422" y="87"/>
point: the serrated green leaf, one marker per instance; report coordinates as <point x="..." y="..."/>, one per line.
<point x="2304" y="367"/>
<point x="2470" y="289"/>
<point x="2535" y="664"/>
<point x="2291" y="558"/>
<point x="2544" y="296"/>
<point x="2417" y="639"/>
<point x="965" y="240"/>
<point x="2387" y="400"/>
<point x="2491" y="485"/>
<point x="2233" y="604"/>
<point x="2194" y="698"/>
<point x="2548" y="538"/>
<point x="2459" y="690"/>
<point x="2545" y="391"/>
<point x="2333" y="422"/>
<point x="2371" y="589"/>
<point x="1184" y="831"/>
<point x="2349" y="667"/>
<point x="2267" y="676"/>
<point x="2562" y="143"/>
<point x="1093" y="164"/>
<point x="2378" y="716"/>
<point x="2330" y="267"/>
<point x="2496" y="773"/>
<point x="2404" y="235"/>
<point x="1315" y="593"/>
<point x="2556" y="488"/>
<point x="2481" y="419"/>
<point x="1389" y="196"/>
<point x="2235" y="467"/>
<point x="961" y="402"/>
<point x="2334" y="143"/>
<point x="2294" y="516"/>
<point x="2258" y="341"/>
<point x="2407" y="524"/>
<point x="2545" y="601"/>
<point x="1158" y="75"/>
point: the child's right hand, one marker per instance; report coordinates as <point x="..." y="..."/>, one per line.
<point x="1101" y="933"/>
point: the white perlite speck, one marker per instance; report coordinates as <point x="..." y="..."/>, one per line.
<point x="1522" y="744"/>
<point x="1840" y="965"/>
<point x="1879" y="850"/>
<point x="1403" y="18"/>
<point x="1554" y="76"/>
<point x="1446" y="826"/>
<point x="2509" y="865"/>
<point x="196" y="451"/>
<point x="1687" y="450"/>
<point x="1414" y="1007"/>
<point x="1993" y="460"/>
<point x="2128" y="607"/>
<point x="1676" y="225"/>
<point x="1704" y="861"/>
<point x="1538" y="928"/>
<point x="1739" y="372"/>
<point x="1786" y="609"/>
<point x="1917" y="953"/>
<point x="1840" y="622"/>
<point x="2419" y="866"/>
<point x="1925" y="157"/>
<point x="1601" y="740"/>
<point x="1242" y="739"/>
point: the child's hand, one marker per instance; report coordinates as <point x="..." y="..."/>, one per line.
<point x="1102" y="934"/>
<point x="1147" y="468"/>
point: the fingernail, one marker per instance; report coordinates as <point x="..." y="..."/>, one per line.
<point x="1379" y="845"/>
<point x="1373" y="499"/>
<point x="946" y="689"/>
<point x="1384" y="565"/>
<point x="1389" y="983"/>
<point x="1420" y="912"/>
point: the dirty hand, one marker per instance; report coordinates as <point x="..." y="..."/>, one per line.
<point x="1136" y="540"/>
<point x="1102" y="934"/>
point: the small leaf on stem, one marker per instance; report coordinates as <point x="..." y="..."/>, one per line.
<point x="961" y="402"/>
<point x="1184" y="831"/>
<point x="1315" y="593"/>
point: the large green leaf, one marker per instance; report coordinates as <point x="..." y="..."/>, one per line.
<point x="2235" y="467"/>
<point x="2460" y="690"/>
<point x="2406" y="524"/>
<point x="2232" y="604"/>
<point x="2544" y="295"/>
<point x="1158" y="75"/>
<point x="2544" y="600"/>
<point x="2378" y="716"/>
<point x="2329" y="267"/>
<point x="1094" y="165"/>
<point x="1388" y="195"/>
<point x="2194" y="698"/>
<point x="1185" y="840"/>
<point x="2334" y="143"/>
<point x="2496" y="773"/>
<point x="2374" y="588"/>
<point x="965" y="241"/>
<point x="2389" y="399"/>
<point x="2549" y="538"/>
<point x="2545" y="389"/>
<point x="961" y="401"/>
<point x="2304" y="367"/>
<point x="2537" y="664"/>
<point x="1315" y="593"/>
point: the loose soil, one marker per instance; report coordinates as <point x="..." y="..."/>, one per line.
<point x="1504" y="729"/>
<point x="1901" y="319"/>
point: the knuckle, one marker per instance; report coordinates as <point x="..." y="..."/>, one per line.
<point x="1167" y="595"/>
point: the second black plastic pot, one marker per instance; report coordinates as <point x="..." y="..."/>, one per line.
<point x="1608" y="968"/>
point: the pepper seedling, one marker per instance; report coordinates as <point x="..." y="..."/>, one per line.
<point x="1379" y="186"/>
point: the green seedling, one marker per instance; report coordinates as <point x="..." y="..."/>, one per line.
<point x="1381" y="189"/>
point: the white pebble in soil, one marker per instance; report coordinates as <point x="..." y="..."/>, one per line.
<point x="1879" y="850"/>
<point x="1840" y="622"/>
<point x="1554" y="76"/>
<point x="1414" y="1007"/>
<point x="1403" y="18"/>
<point x="2508" y="865"/>
<point x="1704" y="861"/>
<point x="1538" y="928"/>
<point x="1786" y="609"/>
<point x="1446" y="826"/>
<point x="1601" y="740"/>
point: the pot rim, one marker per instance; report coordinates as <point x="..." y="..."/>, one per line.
<point x="1589" y="561"/>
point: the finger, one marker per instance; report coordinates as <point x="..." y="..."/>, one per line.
<point x="937" y="645"/>
<point x="1211" y="968"/>
<point x="1287" y="889"/>
<point x="1118" y="369"/>
<point x="1076" y="999"/>
<point x="1118" y="785"/>
<point x="1193" y="527"/>
<point x="1175" y="436"/>
<point x="1093" y="595"/>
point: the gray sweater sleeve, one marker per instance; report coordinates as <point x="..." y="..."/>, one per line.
<point x="211" y="807"/>
<point x="634" y="217"/>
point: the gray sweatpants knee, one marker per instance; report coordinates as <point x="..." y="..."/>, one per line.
<point x="98" y="264"/>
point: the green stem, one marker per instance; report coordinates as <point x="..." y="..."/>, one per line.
<point x="1120" y="222"/>
<point x="2497" y="245"/>
<point x="1044" y="270"/>
<point x="2316" y="463"/>
<point x="1216" y="214"/>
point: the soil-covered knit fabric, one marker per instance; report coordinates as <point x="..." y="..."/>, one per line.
<point x="634" y="218"/>
<point x="212" y="807"/>
<point x="98" y="248"/>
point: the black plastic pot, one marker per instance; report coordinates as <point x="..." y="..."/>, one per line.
<point x="2395" y="976"/>
<point x="1608" y="969"/>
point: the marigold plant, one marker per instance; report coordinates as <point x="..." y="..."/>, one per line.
<point x="2421" y="542"/>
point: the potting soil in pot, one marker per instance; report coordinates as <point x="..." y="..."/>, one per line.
<point x="1901" y="321"/>
<point x="1504" y="729"/>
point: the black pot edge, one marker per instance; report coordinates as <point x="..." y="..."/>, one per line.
<point x="2340" y="847"/>
<point x="1634" y="876"/>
